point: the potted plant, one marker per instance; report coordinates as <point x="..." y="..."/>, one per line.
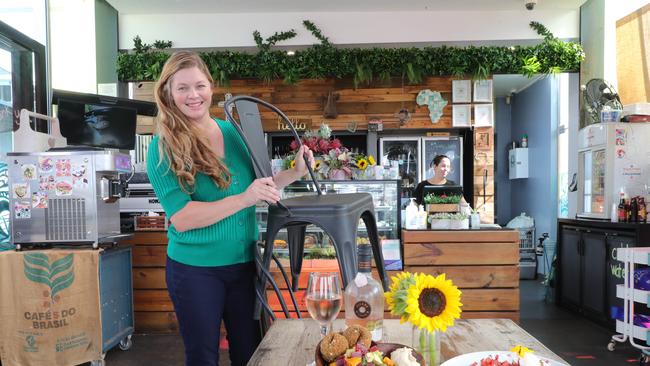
<point x="442" y="203"/>
<point x="448" y="221"/>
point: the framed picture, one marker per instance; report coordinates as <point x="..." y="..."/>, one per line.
<point x="461" y="115"/>
<point x="461" y="91"/>
<point x="483" y="141"/>
<point x="483" y="91"/>
<point x="483" y="115"/>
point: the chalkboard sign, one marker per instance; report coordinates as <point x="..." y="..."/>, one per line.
<point x="616" y="272"/>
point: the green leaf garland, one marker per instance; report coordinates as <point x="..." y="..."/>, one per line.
<point x="363" y="66"/>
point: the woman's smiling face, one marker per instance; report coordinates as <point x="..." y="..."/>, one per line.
<point x="192" y="93"/>
<point x="442" y="169"/>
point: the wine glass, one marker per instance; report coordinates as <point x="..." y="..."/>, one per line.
<point x="323" y="298"/>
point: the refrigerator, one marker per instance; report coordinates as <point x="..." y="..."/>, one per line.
<point x="612" y="159"/>
<point x="414" y="155"/>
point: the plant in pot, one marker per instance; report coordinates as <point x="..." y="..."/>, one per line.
<point x="449" y="221"/>
<point x="442" y="203"/>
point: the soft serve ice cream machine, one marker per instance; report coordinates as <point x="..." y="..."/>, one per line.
<point x="66" y="197"/>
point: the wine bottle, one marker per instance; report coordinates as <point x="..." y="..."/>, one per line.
<point x="622" y="217"/>
<point x="364" y="297"/>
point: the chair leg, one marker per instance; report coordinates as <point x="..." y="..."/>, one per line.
<point x="271" y="232"/>
<point x="371" y="225"/>
<point x="296" y="245"/>
<point x="344" y="240"/>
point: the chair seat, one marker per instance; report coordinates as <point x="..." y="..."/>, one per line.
<point x="341" y="203"/>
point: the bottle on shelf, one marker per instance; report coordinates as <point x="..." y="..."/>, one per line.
<point x="364" y="297"/>
<point x="643" y="212"/>
<point x="634" y="210"/>
<point x="622" y="216"/>
<point x="524" y="141"/>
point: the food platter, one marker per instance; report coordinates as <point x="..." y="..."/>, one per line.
<point x="385" y="348"/>
<point x="475" y="357"/>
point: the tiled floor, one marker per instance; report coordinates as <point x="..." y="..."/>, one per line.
<point x="580" y="342"/>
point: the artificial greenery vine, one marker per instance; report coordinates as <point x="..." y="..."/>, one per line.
<point x="315" y="31"/>
<point x="271" y="41"/>
<point x="362" y="65"/>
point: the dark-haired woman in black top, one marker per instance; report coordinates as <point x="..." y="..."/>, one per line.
<point x="441" y="168"/>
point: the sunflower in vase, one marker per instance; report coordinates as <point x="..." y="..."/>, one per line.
<point x="430" y="304"/>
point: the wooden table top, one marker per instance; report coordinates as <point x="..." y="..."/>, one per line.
<point x="292" y="342"/>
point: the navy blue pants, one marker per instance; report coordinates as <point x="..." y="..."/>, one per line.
<point x="202" y="297"/>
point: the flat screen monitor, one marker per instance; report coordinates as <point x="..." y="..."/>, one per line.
<point x="97" y="125"/>
<point x="440" y="190"/>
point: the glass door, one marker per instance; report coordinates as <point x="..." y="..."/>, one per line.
<point x="598" y="182"/>
<point x="402" y="153"/>
<point x="452" y="147"/>
<point x="593" y="192"/>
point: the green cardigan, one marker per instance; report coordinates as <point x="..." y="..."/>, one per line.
<point x="229" y="241"/>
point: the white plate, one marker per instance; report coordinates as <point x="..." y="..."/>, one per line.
<point x="469" y="358"/>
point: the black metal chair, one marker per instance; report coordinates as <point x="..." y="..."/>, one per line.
<point x="337" y="215"/>
<point x="266" y="321"/>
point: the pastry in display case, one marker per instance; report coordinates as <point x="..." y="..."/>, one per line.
<point x="385" y="195"/>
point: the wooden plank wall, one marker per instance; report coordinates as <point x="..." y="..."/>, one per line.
<point x="484" y="265"/>
<point x="303" y="103"/>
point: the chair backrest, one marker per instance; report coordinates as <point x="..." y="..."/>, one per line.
<point x="251" y="131"/>
<point x="251" y="128"/>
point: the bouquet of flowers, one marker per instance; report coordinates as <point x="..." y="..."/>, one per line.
<point x="430" y="304"/>
<point x="319" y="141"/>
<point x="333" y="160"/>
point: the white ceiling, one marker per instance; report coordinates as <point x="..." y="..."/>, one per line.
<point x="275" y="6"/>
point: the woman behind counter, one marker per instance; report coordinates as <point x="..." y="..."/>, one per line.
<point x="441" y="168"/>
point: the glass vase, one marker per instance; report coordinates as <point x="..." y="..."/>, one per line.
<point x="427" y="344"/>
<point x="337" y="174"/>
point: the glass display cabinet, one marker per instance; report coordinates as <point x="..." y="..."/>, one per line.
<point x="385" y="195"/>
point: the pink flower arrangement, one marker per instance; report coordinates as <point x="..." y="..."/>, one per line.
<point x="317" y="144"/>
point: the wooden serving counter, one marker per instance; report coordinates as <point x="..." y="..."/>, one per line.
<point x="484" y="264"/>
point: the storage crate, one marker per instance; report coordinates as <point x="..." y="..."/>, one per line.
<point x="527" y="238"/>
<point x="150" y="223"/>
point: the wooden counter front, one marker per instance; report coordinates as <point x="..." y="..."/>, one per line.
<point x="484" y="264"/>
<point x="153" y="309"/>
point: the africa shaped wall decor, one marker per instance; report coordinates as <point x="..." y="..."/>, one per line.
<point x="434" y="101"/>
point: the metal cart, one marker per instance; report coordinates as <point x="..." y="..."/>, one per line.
<point x="116" y="300"/>
<point x="626" y="329"/>
<point x="527" y="256"/>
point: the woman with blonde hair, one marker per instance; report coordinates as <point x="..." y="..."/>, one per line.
<point x="202" y="174"/>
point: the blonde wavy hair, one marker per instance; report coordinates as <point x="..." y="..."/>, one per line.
<point x="181" y="142"/>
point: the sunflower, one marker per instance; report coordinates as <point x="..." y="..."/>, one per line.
<point x="371" y="160"/>
<point x="317" y="164"/>
<point x="433" y="302"/>
<point x="292" y="164"/>
<point x="396" y="296"/>
<point x="362" y="164"/>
